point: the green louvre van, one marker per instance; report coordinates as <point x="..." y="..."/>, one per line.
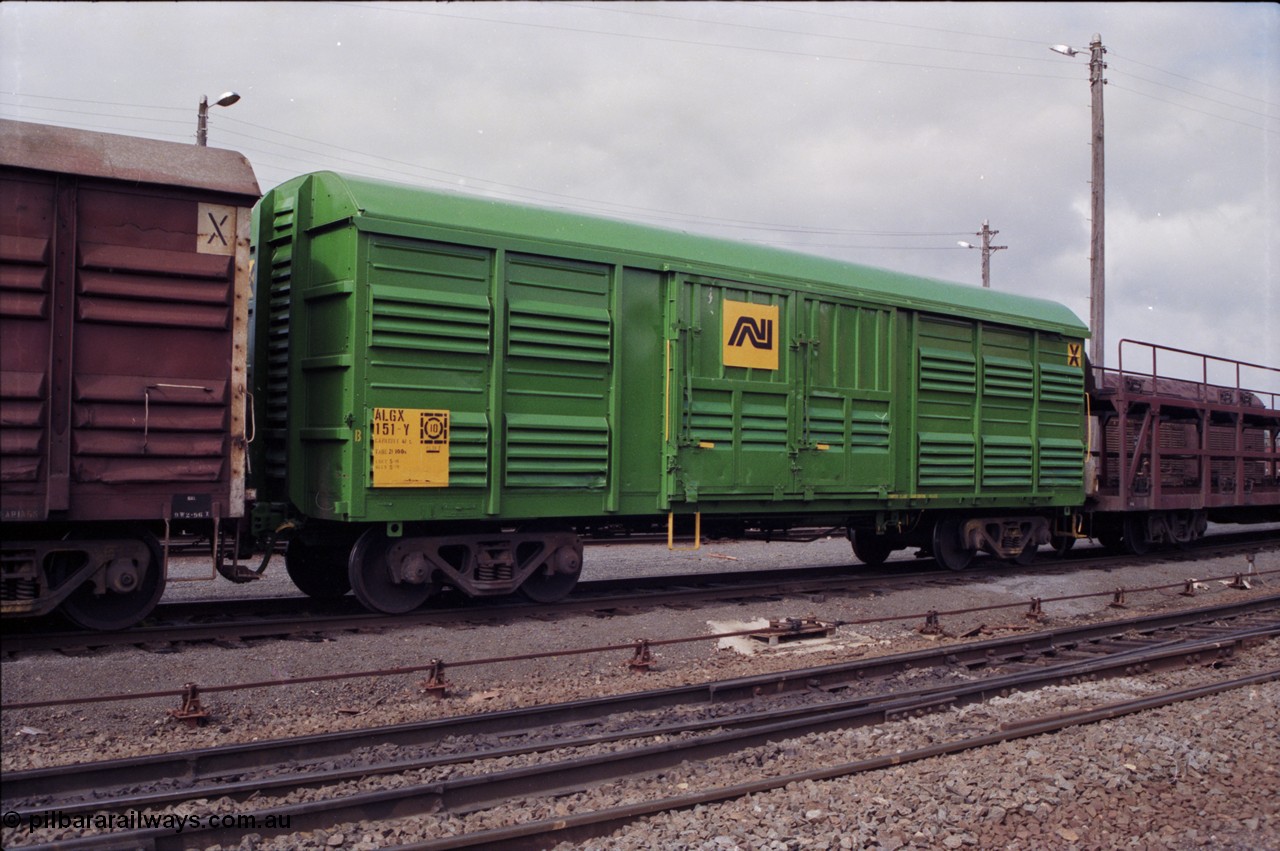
<point x="453" y="391"/>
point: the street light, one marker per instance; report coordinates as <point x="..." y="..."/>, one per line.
<point x="986" y="233"/>
<point x="1097" y="263"/>
<point x="202" y="119"/>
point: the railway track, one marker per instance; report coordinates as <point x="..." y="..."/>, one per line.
<point x="463" y="765"/>
<point x="274" y="617"/>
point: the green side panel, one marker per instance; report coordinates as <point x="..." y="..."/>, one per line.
<point x="1007" y="462"/>
<point x="946" y="406"/>
<point x="1008" y="410"/>
<point x="999" y="413"/>
<point x="732" y="424"/>
<point x="1061" y="463"/>
<point x="847" y="426"/>
<point x="427" y="346"/>
<point x="273" y="287"/>
<point x="322" y="379"/>
<point x="946" y="460"/>
<point x="1059" y="417"/>
<point x="557" y="377"/>
<point x="820" y="425"/>
<point x="640" y="349"/>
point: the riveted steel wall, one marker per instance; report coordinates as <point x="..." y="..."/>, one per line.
<point x="124" y="291"/>
<point x="439" y="359"/>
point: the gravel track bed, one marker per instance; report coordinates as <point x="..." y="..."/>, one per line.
<point x="1201" y="775"/>
<point x="1160" y="774"/>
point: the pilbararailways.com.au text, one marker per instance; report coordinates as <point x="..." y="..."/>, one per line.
<point x="135" y="820"/>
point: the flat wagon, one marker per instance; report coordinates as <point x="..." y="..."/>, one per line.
<point x="453" y="391"/>
<point x="1200" y="448"/>
<point x="124" y="291"/>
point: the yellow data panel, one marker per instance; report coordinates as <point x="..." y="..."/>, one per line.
<point x="410" y="448"/>
<point x="750" y="335"/>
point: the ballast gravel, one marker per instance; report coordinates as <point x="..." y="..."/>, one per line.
<point x="1198" y="775"/>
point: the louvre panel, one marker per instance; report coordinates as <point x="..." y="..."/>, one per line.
<point x="558" y="332"/>
<point x="764" y="422"/>
<point x="124" y="285"/>
<point x="159" y="314"/>
<point x="151" y="445"/>
<point x="24" y="277"/>
<point x="279" y="253"/>
<point x="134" y="429"/>
<point x="711" y="417"/>
<point x="1061" y="384"/>
<point x="468" y="450"/>
<point x="121" y="285"/>
<point x="946" y="460"/>
<point x="870" y="430"/>
<point x="954" y="372"/>
<point x="1007" y="462"/>
<point x="143" y="261"/>
<point x="826" y="422"/>
<point x="1007" y="377"/>
<point x="114" y="470"/>
<point x="22" y="399"/>
<point x="429" y="320"/>
<point x="22" y="305"/>
<point x="1061" y="463"/>
<point x="557" y="372"/>
<point x="556" y="451"/>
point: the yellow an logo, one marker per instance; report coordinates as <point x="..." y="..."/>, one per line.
<point x="751" y="335"/>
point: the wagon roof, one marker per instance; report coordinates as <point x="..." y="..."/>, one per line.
<point x="42" y="147"/>
<point x="340" y="197"/>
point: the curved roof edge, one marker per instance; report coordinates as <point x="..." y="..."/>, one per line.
<point x="63" y="150"/>
<point x="345" y="196"/>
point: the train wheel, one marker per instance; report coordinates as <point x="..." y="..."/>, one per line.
<point x="369" y="572"/>
<point x="948" y="550"/>
<point x="1062" y="544"/>
<point x="554" y="581"/>
<point x="1136" y="538"/>
<point x="1111" y="537"/>
<point x="319" y="570"/>
<point x="869" y="548"/>
<point x="134" y="591"/>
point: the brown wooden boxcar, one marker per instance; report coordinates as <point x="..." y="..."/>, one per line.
<point x="124" y="298"/>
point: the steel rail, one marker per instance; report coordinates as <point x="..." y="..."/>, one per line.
<point x="190" y="766"/>
<point x="436" y="666"/>
<point x="856" y="711"/>
<point x="590" y="596"/>
<point x="471" y="793"/>
<point x="584" y="826"/>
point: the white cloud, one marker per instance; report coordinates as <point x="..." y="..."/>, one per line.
<point x="917" y="120"/>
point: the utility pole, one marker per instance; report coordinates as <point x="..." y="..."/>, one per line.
<point x="986" y="233"/>
<point x="1097" y="240"/>
<point x="1097" y="265"/>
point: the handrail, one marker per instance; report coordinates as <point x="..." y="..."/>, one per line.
<point x="1153" y="350"/>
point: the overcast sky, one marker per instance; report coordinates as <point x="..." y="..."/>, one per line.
<point x="876" y="133"/>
